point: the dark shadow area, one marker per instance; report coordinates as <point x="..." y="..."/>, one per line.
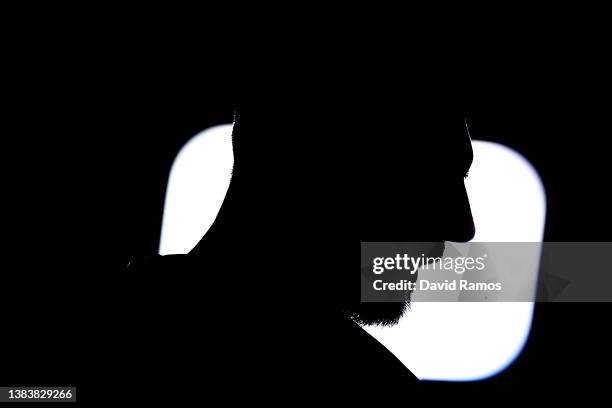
<point x="257" y="306"/>
<point x="276" y="261"/>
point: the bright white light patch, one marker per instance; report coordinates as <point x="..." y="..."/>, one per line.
<point x="437" y="341"/>
<point x="506" y="195"/>
<point x="197" y="185"/>
<point x="471" y="341"/>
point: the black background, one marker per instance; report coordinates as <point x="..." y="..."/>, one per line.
<point x="91" y="124"/>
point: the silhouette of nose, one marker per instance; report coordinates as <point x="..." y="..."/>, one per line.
<point x="460" y="220"/>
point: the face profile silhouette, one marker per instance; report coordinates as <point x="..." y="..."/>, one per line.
<point x="309" y="180"/>
<point x="319" y="176"/>
<point x="414" y="167"/>
<point x="315" y="170"/>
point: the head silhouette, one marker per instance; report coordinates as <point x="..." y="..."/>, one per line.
<point x="310" y="177"/>
<point x="414" y="159"/>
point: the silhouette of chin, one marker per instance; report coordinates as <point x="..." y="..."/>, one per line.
<point x="377" y="314"/>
